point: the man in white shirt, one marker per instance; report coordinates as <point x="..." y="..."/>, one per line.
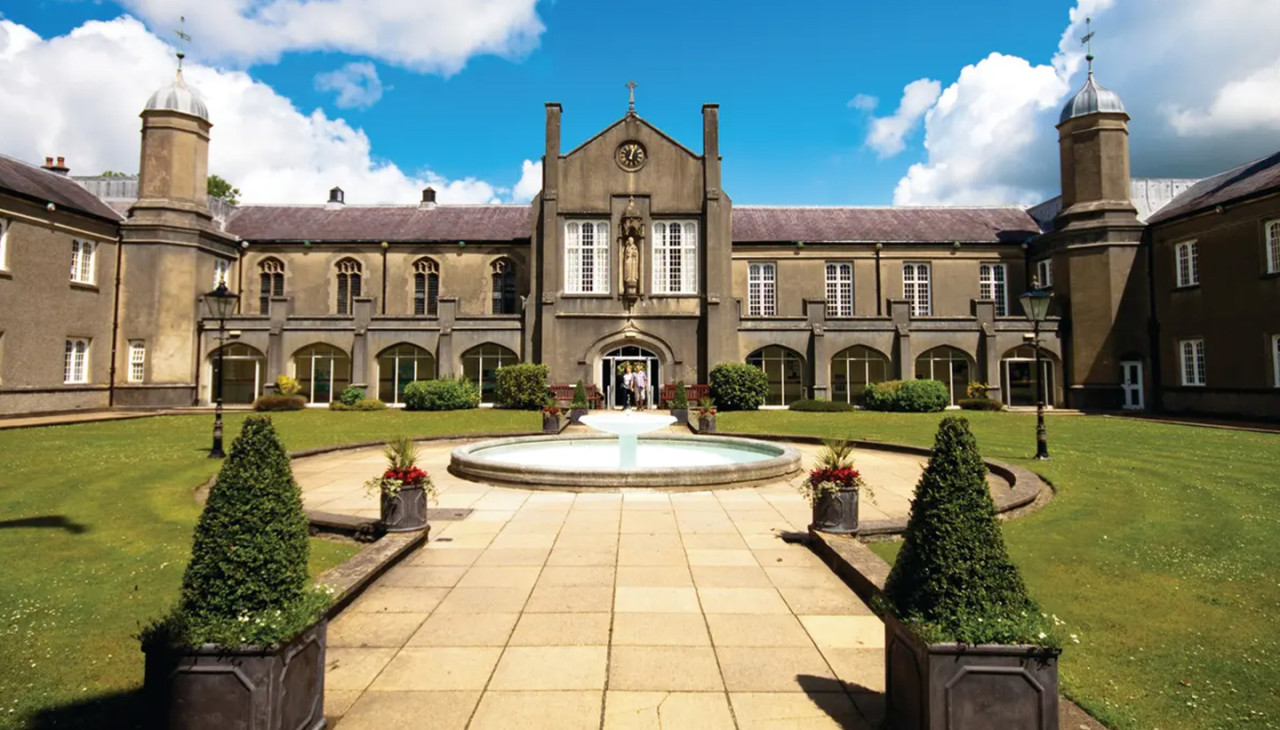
<point x="628" y="384"/>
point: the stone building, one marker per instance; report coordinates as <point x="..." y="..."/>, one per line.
<point x="632" y="251"/>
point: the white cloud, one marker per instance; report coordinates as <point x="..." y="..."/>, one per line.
<point x="530" y="181"/>
<point x="422" y="35"/>
<point x="1201" y="82"/>
<point x="863" y="102"/>
<point x="887" y="134"/>
<point x="79" y="95"/>
<point x="357" y="84"/>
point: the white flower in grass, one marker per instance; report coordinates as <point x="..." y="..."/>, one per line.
<point x="1043" y="635"/>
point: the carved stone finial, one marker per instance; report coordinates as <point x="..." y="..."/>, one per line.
<point x="631" y="87"/>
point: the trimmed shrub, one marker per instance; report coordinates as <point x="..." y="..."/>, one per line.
<point x="351" y="395"/>
<point x="980" y="404"/>
<point x="818" y="405"/>
<point x="364" y="404"/>
<point x="953" y="579"/>
<point x="680" y="401"/>
<point x="286" y="385"/>
<point x="908" y="396"/>
<point x="580" y="397"/>
<point x="247" y="579"/>
<point x="977" y="390"/>
<point x="279" y="403"/>
<point x="737" y="386"/>
<point x="441" y="394"/>
<point x="522" y="386"/>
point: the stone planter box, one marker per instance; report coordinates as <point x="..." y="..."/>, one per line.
<point x="575" y="414"/>
<point x="406" y="510"/>
<point x="246" y="688"/>
<point x="552" y="422"/>
<point x="958" y="687"/>
<point x="707" y="423"/>
<point x="681" y="415"/>
<point x="836" y="512"/>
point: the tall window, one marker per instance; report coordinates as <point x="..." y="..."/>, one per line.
<point x="915" y="289"/>
<point x="839" y="290"/>
<point x="400" y="365"/>
<point x="762" y="292"/>
<point x="426" y="287"/>
<point x="586" y="257"/>
<point x="480" y="366"/>
<point x="675" y="257"/>
<point x="323" y="371"/>
<point x="1273" y="248"/>
<point x="4" y="244"/>
<point x="948" y="365"/>
<point x="75" y="367"/>
<point x="503" y="274"/>
<point x="221" y="272"/>
<point x="785" y="371"/>
<point x="1044" y="273"/>
<point x="348" y="284"/>
<point x="1188" y="264"/>
<point x="270" y="282"/>
<point x="137" y="361"/>
<point x="1192" y="352"/>
<point x="82" y="261"/>
<point x="243" y="370"/>
<point x="855" y="368"/>
<point x="992" y="285"/>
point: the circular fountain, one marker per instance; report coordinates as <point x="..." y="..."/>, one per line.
<point x="623" y="455"/>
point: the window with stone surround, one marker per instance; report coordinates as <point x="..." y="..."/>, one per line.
<point x="762" y="291"/>
<point x="426" y="287"/>
<point x="992" y="284"/>
<point x="82" y="261"/>
<point x="675" y="257"/>
<point x="349" y="273"/>
<point x="1188" y="263"/>
<point x="586" y="257"/>
<point x="840" y="290"/>
<point x="916" y="289"/>
<point x="1192" y="354"/>
<point x="270" y="282"/>
<point x="137" y="361"/>
<point x="75" y="366"/>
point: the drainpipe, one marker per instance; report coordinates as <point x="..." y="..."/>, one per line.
<point x="115" y="324"/>
<point x="879" y="296"/>
<point x="384" y="277"/>
<point x="1153" y="324"/>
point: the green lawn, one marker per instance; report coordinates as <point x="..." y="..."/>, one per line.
<point x="95" y="530"/>
<point x="1161" y="550"/>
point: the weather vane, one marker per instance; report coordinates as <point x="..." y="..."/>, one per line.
<point x="631" y="87"/>
<point x="183" y="39"/>
<point x="1087" y="40"/>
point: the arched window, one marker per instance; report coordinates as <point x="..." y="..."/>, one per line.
<point x="400" y="365"/>
<point x="785" y="370"/>
<point x="348" y="284"/>
<point x="503" y="273"/>
<point x="426" y="288"/>
<point x="853" y="369"/>
<point x="480" y="365"/>
<point x="1018" y="366"/>
<point x="270" y="282"/>
<point x="243" y="369"/>
<point x="949" y="365"/>
<point x="323" y="371"/>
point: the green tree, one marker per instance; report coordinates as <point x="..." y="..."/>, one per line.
<point x="114" y="173"/>
<point x="220" y="188"/>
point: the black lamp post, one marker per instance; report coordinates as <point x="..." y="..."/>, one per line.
<point x="1036" y="305"/>
<point x="219" y="303"/>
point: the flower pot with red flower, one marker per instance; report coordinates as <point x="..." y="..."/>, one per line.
<point x="706" y="416"/>
<point x="552" y="418"/>
<point x="403" y="489"/>
<point x="832" y="489"/>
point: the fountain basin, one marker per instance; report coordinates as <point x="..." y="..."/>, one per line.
<point x="591" y="462"/>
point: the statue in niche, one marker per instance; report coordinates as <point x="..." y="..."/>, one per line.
<point x="631" y="238"/>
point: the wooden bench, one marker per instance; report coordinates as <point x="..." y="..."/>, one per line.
<point x="693" y="393"/>
<point x="564" y="395"/>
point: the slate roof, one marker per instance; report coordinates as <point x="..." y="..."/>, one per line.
<point x="1246" y="181"/>
<point x="44" y="186"/>
<point x="381" y="223"/>
<point x="753" y="224"/>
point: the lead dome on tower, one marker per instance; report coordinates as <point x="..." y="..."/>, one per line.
<point x="178" y="97"/>
<point x="1093" y="98"/>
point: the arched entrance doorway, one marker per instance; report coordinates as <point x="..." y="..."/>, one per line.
<point x="480" y="365"/>
<point x="400" y="365"/>
<point x="611" y="368"/>
<point x="949" y="365"/>
<point x="853" y="369"/>
<point x="242" y="373"/>
<point x="1018" y="370"/>
<point x="323" y="371"/>
<point x="786" y="372"/>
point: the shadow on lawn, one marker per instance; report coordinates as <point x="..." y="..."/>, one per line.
<point x="117" y="711"/>
<point x="56" y="521"/>
<point x="833" y="697"/>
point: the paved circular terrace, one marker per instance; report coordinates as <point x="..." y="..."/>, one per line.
<point x="624" y="609"/>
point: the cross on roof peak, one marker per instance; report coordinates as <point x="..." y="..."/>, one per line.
<point x="631" y="88"/>
<point x="1088" y="41"/>
<point x="183" y="39"/>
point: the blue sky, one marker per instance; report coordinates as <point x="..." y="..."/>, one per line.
<point x="784" y="77"/>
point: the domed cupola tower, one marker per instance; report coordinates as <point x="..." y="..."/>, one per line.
<point x="175" y="151"/>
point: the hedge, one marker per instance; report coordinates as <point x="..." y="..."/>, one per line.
<point x="364" y="404"/>
<point x="522" y="386"/>
<point x="908" y="396"/>
<point x="279" y="403"/>
<point x="980" y="404"/>
<point x="817" y="405"/>
<point x="737" y="386"/>
<point x="441" y="394"/>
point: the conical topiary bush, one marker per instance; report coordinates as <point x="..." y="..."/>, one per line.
<point x="247" y="579"/>
<point x="953" y="580"/>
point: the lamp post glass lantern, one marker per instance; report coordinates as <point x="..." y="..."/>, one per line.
<point x="220" y="303"/>
<point x="1035" y="303"/>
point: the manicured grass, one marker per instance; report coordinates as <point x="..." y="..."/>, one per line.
<point x="1160" y="551"/>
<point x="95" y="531"/>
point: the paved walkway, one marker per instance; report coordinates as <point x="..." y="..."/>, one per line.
<point x="626" y="610"/>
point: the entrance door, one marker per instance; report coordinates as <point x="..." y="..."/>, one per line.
<point x="611" y="367"/>
<point x="1131" y="384"/>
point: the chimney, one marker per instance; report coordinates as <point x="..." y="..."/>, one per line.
<point x="711" y="148"/>
<point x="337" y="198"/>
<point x="551" y="157"/>
<point x="60" y="168"/>
<point x="428" y="198"/>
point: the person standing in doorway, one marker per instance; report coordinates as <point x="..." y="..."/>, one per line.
<point x="641" y="380"/>
<point x="628" y="384"/>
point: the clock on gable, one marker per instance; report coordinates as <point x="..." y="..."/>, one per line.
<point x="631" y="155"/>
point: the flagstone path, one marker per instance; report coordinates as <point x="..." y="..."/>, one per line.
<point x="640" y="609"/>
